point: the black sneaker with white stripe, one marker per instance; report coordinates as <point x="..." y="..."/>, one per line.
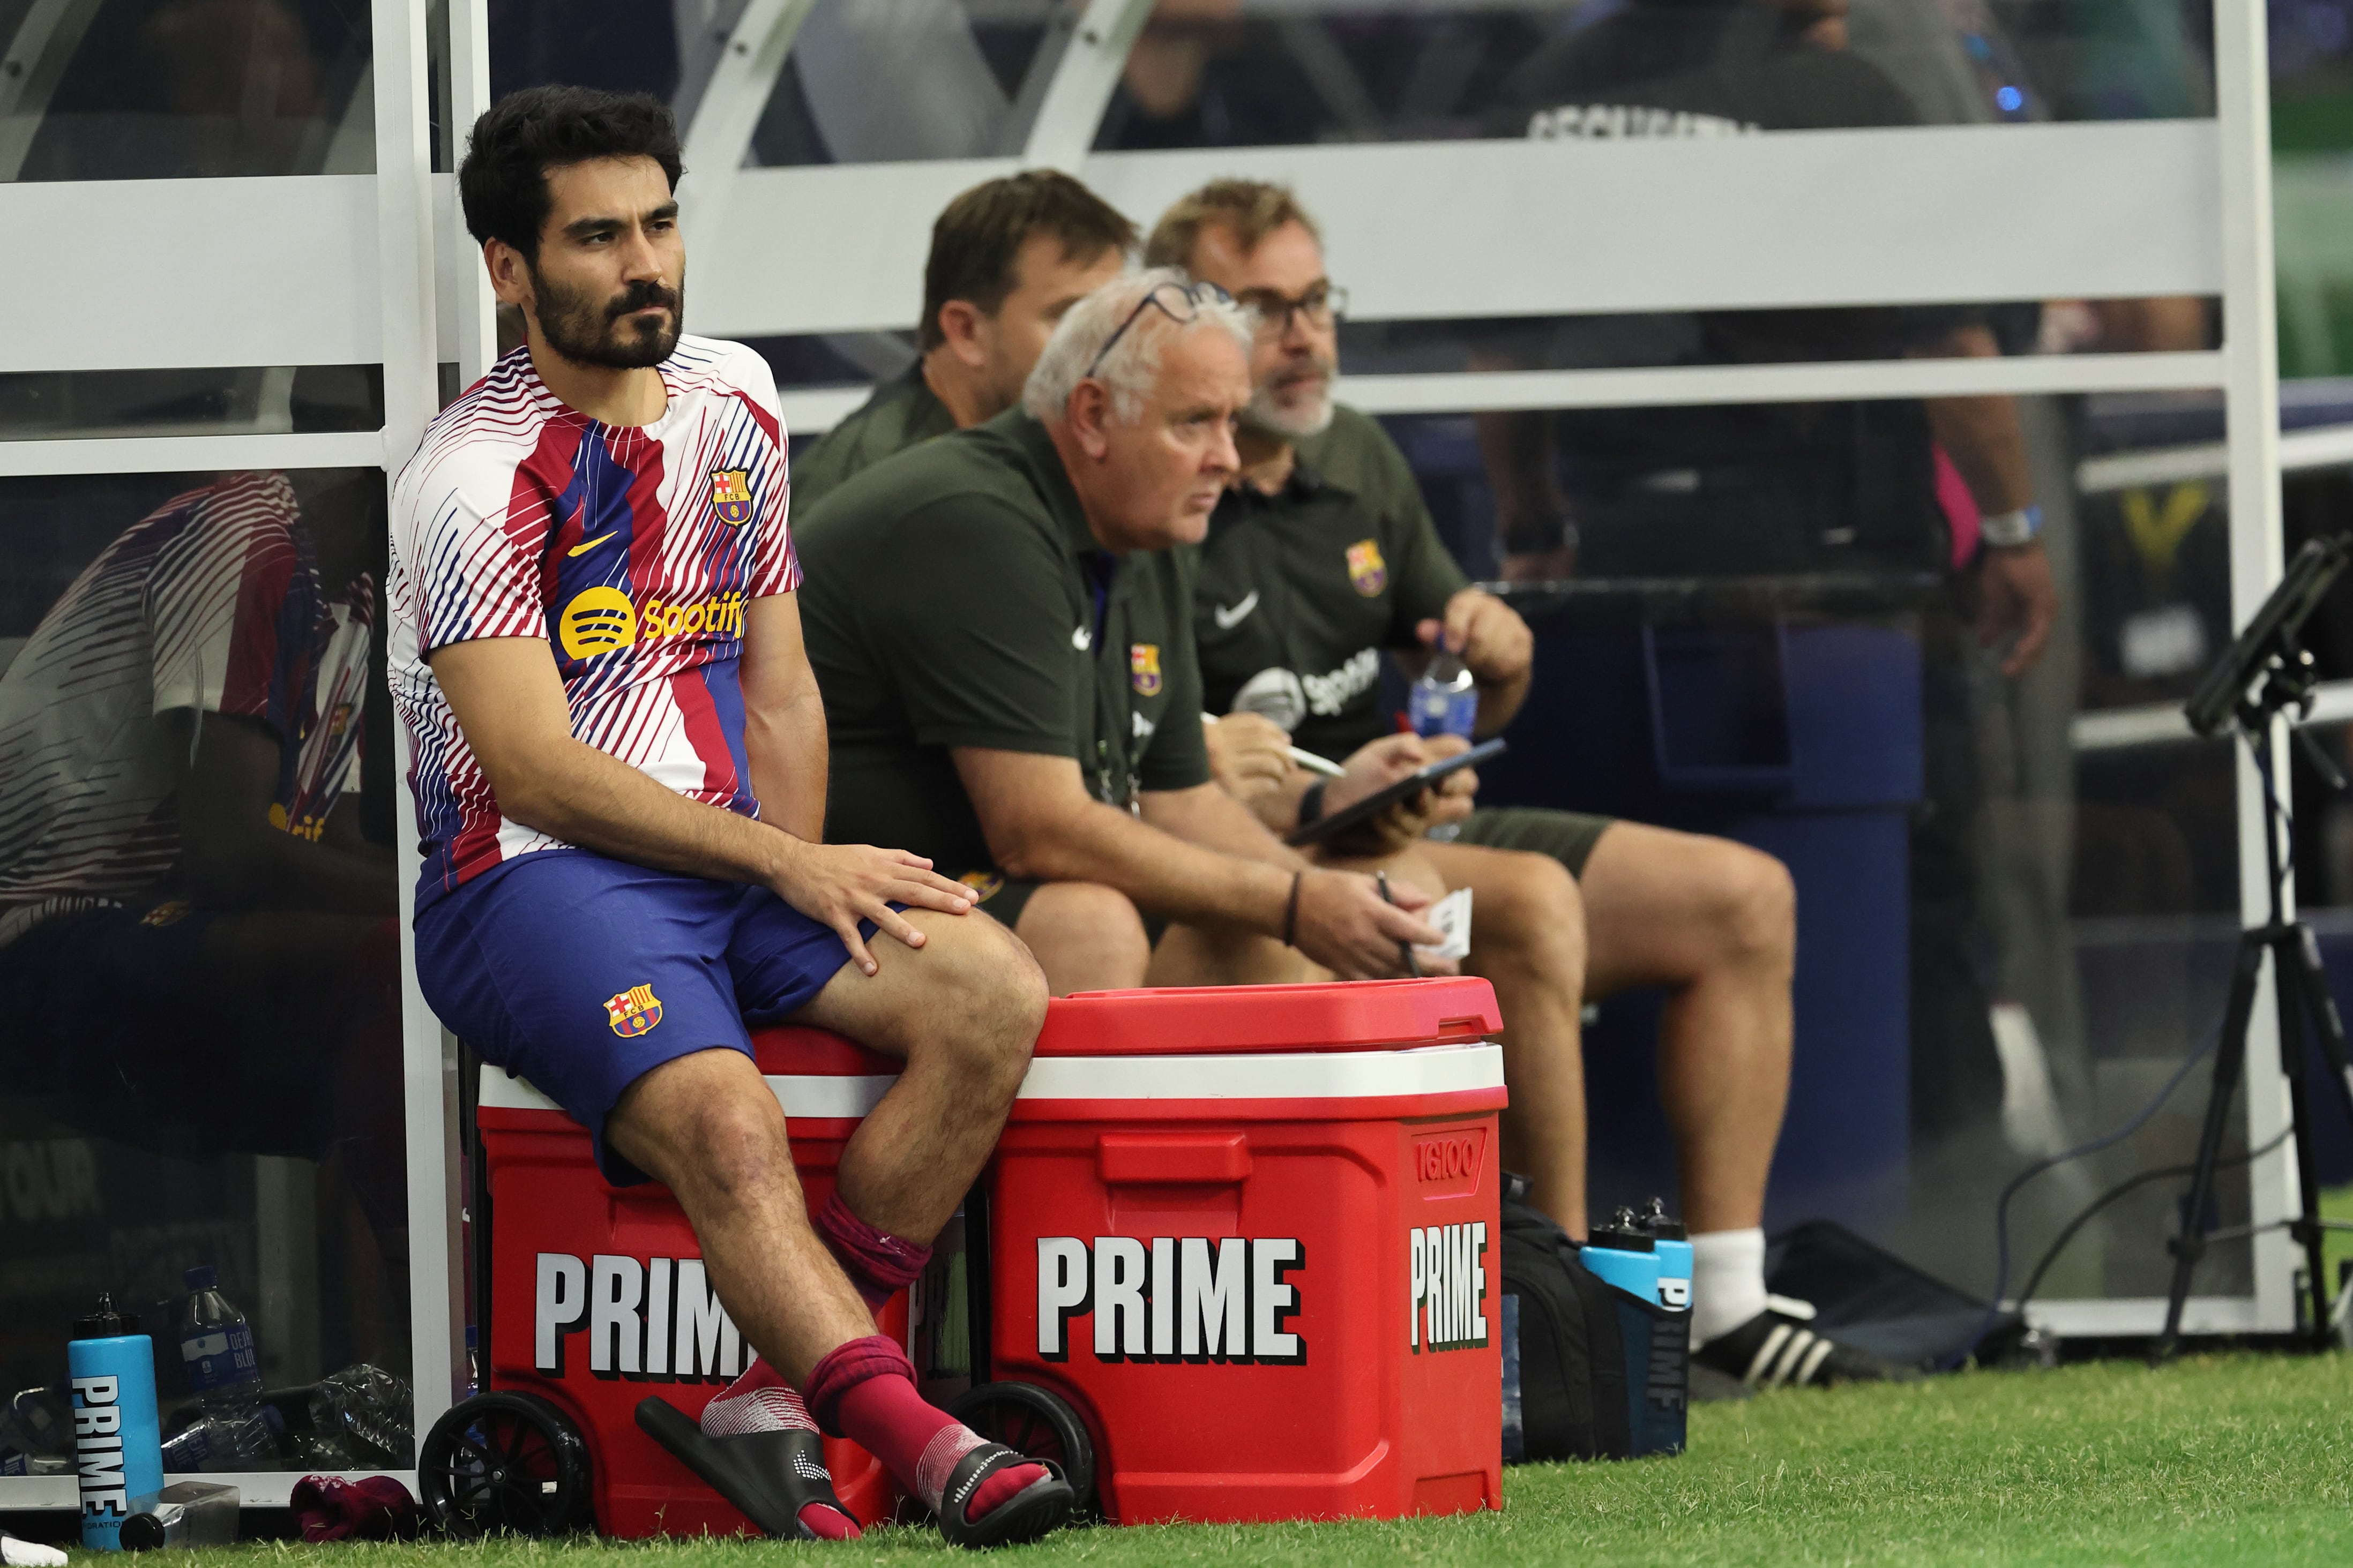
<point x="1775" y="1349"/>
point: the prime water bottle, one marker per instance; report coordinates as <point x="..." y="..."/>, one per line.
<point x="110" y="1367"/>
<point x="1621" y="1254"/>
<point x="1672" y="1244"/>
<point x="1444" y="701"/>
<point x="225" y="1374"/>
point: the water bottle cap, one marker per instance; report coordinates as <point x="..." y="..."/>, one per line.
<point x="143" y="1532"/>
<point x="1659" y="1225"/>
<point x="1620" y="1237"/>
<point x="203" y="1276"/>
<point x="106" y="1323"/>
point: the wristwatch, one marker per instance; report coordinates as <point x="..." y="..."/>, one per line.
<point x="2008" y="530"/>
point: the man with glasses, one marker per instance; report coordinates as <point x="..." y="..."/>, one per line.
<point x="1008" y="257"/>
<point x="1320" y="556"/>
<point x="1003" y="632"/>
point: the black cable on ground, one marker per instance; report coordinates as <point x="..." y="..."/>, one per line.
<point x="2132" y="1124"/>
<point x="2067" y="1235"/>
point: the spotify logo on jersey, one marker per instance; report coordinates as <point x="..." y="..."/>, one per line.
<point x="597" y="620"/>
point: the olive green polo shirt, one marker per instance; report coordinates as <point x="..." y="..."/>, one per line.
<point x="903" y="412"/>
<point x="1299" y="590"/>
<point x="955" y="596"/>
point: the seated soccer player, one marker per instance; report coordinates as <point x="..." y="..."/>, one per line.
<point x="1320" y="556"/>
<point x="1004" y="635"/>
<point x="620" y="782"/>
<point x="1007" y="258"/>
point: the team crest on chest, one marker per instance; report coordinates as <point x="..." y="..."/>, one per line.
<point x="730" y="496"/>
<point x="634" y="1011"/>
<point x="1367" y="571"/>
<point x="1144" y="668"/>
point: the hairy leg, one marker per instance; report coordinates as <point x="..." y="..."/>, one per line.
<point x="1528" y="938"/>
<point x="1222" y="955"/>
<point x="1716" y="923"/>
<point x="1085" y="936"/>
<point x="1527" y="941"/>
<point x="707" y="1127"/>
<point x="962" y="1012"/>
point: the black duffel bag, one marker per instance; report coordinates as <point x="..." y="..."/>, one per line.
<point x="1600" y="1375"/>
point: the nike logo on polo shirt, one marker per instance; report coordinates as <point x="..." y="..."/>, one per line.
<point x="586" y="546"/>
<point x="1228" y="619"/>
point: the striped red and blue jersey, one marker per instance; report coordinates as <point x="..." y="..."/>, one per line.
<point x="632" y="550"/>
<point x="209" y="605"/>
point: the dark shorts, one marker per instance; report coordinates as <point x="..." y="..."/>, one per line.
<point x="1004" y="897"/>
<point x="1567" y="836"/>
<point x="581" y="975"/>
<point x="136" y="1027"/>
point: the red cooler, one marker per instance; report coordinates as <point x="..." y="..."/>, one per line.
<point x="1251" y="1235"/>
<point x="1247" y="1236"/>
<point x="598" y="1297"/>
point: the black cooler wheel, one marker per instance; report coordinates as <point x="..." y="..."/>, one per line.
<point x="1032" y="1420"/>
<point x="504" y="1464"/>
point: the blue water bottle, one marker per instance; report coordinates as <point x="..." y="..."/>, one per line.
<point x="117" y="1444"/>
<point x="1620" y="1253"/>
<point x="1671" y="1242"/>
<point x="1445" y="701"/>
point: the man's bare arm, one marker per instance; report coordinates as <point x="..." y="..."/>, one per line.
<point x="510" y="704"/>
<point x="1986" y="442"/>
<point x="1043" y="827"/>
<point x="784" y="718"/>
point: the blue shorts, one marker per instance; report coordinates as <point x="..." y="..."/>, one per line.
<point x="582" y="973"/>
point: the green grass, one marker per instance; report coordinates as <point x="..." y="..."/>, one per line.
<point x="2240" y="1460"/>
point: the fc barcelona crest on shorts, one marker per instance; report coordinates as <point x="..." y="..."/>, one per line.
<point x="1366" y="570"/>
<point x="731" y="495"/>
<point x="634" y="1011"/>
<point x="1144" y="668"/>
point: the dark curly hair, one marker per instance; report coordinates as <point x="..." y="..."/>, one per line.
<point x="504" y="181"/>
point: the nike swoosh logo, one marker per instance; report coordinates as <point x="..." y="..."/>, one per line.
<point x="1228" y="619"/>
<point x="586" y="546"/>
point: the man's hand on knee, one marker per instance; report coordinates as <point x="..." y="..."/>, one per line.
<point x="839" y="885"/>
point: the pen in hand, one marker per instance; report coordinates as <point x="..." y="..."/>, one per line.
<point x="1405" y="948"/>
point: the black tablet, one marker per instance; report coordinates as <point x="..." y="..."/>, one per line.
<point x="1405" y="788"/>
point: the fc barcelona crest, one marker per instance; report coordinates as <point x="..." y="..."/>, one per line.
<point x="1366" y="570"/>
<point x="731" y="495"/>
<point x="634" y="1011"/>
<point x="1144" y="668"/>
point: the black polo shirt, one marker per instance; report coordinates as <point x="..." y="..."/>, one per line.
<point x="904" y="412"/>
<point x="955" y="596"/>
<point x="1300" y="590"/>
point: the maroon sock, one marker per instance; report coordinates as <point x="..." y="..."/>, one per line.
<point x="762" y="1401"/>
<point x="865" y="1391"/>
<point x="879" y="1264"/>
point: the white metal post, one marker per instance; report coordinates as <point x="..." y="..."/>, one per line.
<point x="473" y="307"/>
<point x="404" y="165"/>
<point x="2250" y="412"/>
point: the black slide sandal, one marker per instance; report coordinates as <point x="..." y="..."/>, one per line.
<point x="771" y="1476"/>
<point x="1023" y="1516"/>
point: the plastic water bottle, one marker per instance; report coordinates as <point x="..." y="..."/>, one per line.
<point x="1671" y="1242"/>
<point x="1445" y="701"/>
<point x="368" y="1411"/>
<point x="110" y="1367"/>
<point x="225" y="1374"/>
<point x="1620" y="1253"/>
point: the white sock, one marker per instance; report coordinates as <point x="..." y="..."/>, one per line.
<point x="1727" y="1281"/>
